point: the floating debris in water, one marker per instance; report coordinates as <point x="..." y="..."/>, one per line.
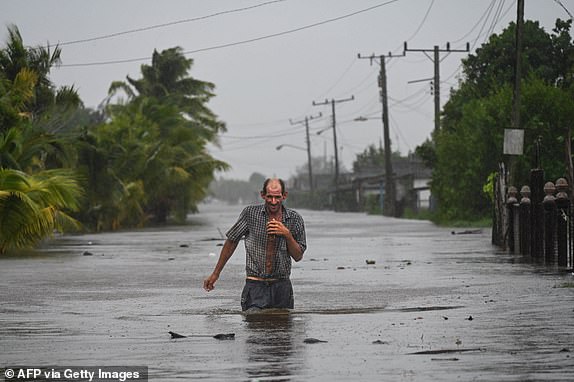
<point x="176" y="335"/>
<point x="445" y="351"/>
<point x="312" y="341"/>
<point x="224" y="336"/>
<point x="444" y="359"/>
<point x="220" y="336"/>
<point x="467" y="232"/>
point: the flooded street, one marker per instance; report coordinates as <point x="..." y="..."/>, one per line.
<point x="433" y="307"/>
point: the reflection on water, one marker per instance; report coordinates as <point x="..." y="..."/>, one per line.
<point x="273" y="345"/>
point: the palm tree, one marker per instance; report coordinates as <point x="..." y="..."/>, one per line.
<point x="167" y="119"/>
<point x="39" y="60"/>
<point x="32" y="207"/>
<point x="167" y="79"/>
<point x="32" y="198"/>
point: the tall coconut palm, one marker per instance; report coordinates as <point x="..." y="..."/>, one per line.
<point x="16" y="56"/>
<point x="168" y="79"/>
<point x="167" y="112"/>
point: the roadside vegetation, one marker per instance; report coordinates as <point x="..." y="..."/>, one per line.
<point x="467" y="149"/>
<point x="139" y="159"/>
<point x="465" y="153"/>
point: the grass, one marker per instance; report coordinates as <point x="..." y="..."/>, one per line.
<point x="481" y="222"/>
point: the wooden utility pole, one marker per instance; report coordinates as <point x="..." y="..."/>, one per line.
<point x="308" y="140"/>
<point x="333" y="102"/>
<point x="436" y="81"/>
<point x="516" y="93"/>
<point x="518" y="65"/>
<point x="389" y="198"/>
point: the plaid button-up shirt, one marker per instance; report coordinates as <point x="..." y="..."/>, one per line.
<point x="252" y="226"/>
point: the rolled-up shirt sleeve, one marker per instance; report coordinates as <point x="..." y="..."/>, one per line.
<point x="240" y="228"/>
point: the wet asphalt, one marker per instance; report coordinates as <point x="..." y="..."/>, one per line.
<point x="387" y="299"/>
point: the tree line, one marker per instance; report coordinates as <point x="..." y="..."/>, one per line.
<point x="468" y="147"/>
<point x="139" y="158"/>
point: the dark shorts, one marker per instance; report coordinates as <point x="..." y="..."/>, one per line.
<point x="276" y="294"/>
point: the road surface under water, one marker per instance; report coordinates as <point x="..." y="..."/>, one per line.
<point x="433" y="307"/>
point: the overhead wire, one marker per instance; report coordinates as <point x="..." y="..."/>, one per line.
<point x="171" y="23"/>
<point x="414" y="34"/>
<point x="496" y="20"/>
<point x="563" y="7"/>
<point x="242" y="42"/>
<point x="477" y="23"/>
<point x="496" y="17"/>
<point x="353" y="62"/>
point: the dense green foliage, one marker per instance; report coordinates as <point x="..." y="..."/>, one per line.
<point x="36" y="189"/>
<point x="136" y="160"/>
<point x="468" y="147"/>
<point x="32" y="206"/>
<point x="372" y="157"/>
<point x="149" y="161"/>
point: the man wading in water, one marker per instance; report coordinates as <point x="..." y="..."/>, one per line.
<point x="273" y="235"/>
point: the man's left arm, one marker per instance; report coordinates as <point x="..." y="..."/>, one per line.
<point x="294" y="248"/>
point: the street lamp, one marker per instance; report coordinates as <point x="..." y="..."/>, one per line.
<point x="389" y="200"/>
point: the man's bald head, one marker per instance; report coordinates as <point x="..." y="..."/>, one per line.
<point x="273" y="185"/>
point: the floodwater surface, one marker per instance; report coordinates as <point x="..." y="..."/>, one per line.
<point x="376" y="299"/>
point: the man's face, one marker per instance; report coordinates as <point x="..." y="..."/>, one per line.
<point x="273" y="196"/>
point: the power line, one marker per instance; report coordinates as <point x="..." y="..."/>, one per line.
<point x="308" y="141"/>
<point x="157" y="26"/>
<point x="389" y="199"/>
<point x="340" y="78"/>
<point x="484" y="14"/>
<point x="496" y="18"/>
<point x="277" y="135"/>
<point x="242" y="42"/>
<point x="563" y="7"/>
<point x="436" y="80"/>
<point x="420" y="25"/>
<point x="333" y="102"/>
<point x="399" y="47"/>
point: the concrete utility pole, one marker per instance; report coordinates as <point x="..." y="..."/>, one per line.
<point x="389" y="199"/>
<point x="436" y="80"/>
<point x="308" y="140"/>
<point x="333" y="102"/>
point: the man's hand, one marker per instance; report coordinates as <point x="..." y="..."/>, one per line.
<point x="275" y="227"/>
<point x="209" y="283"/>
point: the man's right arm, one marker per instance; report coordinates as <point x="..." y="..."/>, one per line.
<point x="226" y="252"/>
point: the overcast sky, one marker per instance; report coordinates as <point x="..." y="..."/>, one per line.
<point x="301" y="51"/>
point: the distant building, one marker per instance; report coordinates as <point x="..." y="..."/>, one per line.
<point x="357" y="191"/>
